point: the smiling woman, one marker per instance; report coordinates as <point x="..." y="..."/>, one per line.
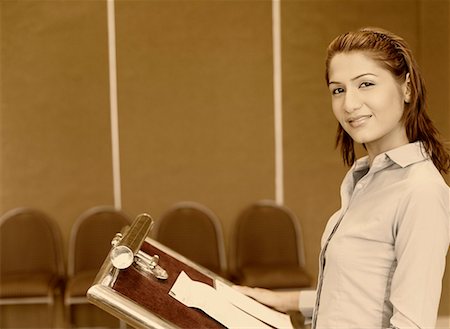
<point x="383" y="253"/>
<point x="368" y="102"/>
<point x="390" y="55"/>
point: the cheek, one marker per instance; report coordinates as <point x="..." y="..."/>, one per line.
<point x="390" y="109"/>
<point x="392" y="101"/>
<point x="336" y="110"/>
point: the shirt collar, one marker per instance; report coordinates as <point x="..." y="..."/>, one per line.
<point x="408" y="154"/>
<point x="404" y="156"/>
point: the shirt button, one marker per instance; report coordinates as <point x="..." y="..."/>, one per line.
<point x="359" y="186"/>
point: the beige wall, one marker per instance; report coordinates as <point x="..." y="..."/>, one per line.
<point x="55" y="136"/>
<point x="195" y="103"/>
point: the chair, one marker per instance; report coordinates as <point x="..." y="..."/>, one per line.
<point x="31" y="259"/>
<point x="195" y="232"/>
<point x="267" y="248"/>
<point x="89" y="245"/>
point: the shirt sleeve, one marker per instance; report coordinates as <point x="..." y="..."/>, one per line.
<point x="422" y="240"/>
<point x="306" y="302"/>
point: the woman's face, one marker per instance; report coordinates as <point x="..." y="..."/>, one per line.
<point x="367" y="101"/>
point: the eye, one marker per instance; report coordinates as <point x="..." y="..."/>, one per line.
<point x="366" y="84"/>
<point x="336" y="91"/>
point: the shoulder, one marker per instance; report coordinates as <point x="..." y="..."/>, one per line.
<point x="425" y="196"/>
<point x="423" y="177"/>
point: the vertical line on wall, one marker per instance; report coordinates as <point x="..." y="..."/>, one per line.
<point x="278" y="105"/>
<point x="113" y="104"/>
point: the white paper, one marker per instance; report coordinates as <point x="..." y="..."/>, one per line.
<point x="200" y="295"/>
<point x="254" y="308"/>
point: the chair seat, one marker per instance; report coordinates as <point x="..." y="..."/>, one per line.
<point x="78" y="285"/>
<point x="276" y="277"/>
<point x="28" y="285"/>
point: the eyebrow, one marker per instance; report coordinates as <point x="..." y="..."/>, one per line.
<point x="353" y="79"/>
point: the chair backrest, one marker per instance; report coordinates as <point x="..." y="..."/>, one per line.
<point x="267" y="233"/>
<point x="194" y="231"/>
<point x="30" y="242"/>
<point x="90" y="237"/>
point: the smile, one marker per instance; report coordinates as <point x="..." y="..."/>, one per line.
<point x="358" y="120"/>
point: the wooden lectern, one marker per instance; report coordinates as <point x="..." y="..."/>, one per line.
<point x="134" y="281"/>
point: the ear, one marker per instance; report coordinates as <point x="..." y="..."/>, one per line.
<point x="407" y="88"/>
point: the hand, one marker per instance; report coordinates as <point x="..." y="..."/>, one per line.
<point x="282" y="301"/>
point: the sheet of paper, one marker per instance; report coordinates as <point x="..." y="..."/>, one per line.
<point x="200" y="295"/>
<point x="252" y="307"/>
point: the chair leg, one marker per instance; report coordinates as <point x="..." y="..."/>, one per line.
<point x="68" y="315"/>
<point x="51" y="313"/>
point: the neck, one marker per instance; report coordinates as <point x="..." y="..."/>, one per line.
<point x="374" y="149"/>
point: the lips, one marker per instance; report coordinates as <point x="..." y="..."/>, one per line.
<point x="358" y="120"/>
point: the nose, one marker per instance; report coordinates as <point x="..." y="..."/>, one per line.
<point x="352" y="101"/>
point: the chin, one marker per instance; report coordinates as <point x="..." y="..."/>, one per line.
<point x="360" y="139"/>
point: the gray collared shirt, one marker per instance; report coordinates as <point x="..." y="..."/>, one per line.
<point x="383" y="253"/>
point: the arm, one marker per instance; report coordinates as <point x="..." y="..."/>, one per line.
<point x="283" y="301"/>
<point x="422" y="240"/>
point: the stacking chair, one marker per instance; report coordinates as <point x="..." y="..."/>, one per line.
<point x="31" y="260"/>
<point x="195" y="232"/>
<point x="89" y="245"/>
<point x="267" y="248"/>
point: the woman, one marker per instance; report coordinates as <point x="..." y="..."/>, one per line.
<point x="383" y="253"/>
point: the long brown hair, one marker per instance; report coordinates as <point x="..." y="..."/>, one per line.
<point x="394" y="54"/>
